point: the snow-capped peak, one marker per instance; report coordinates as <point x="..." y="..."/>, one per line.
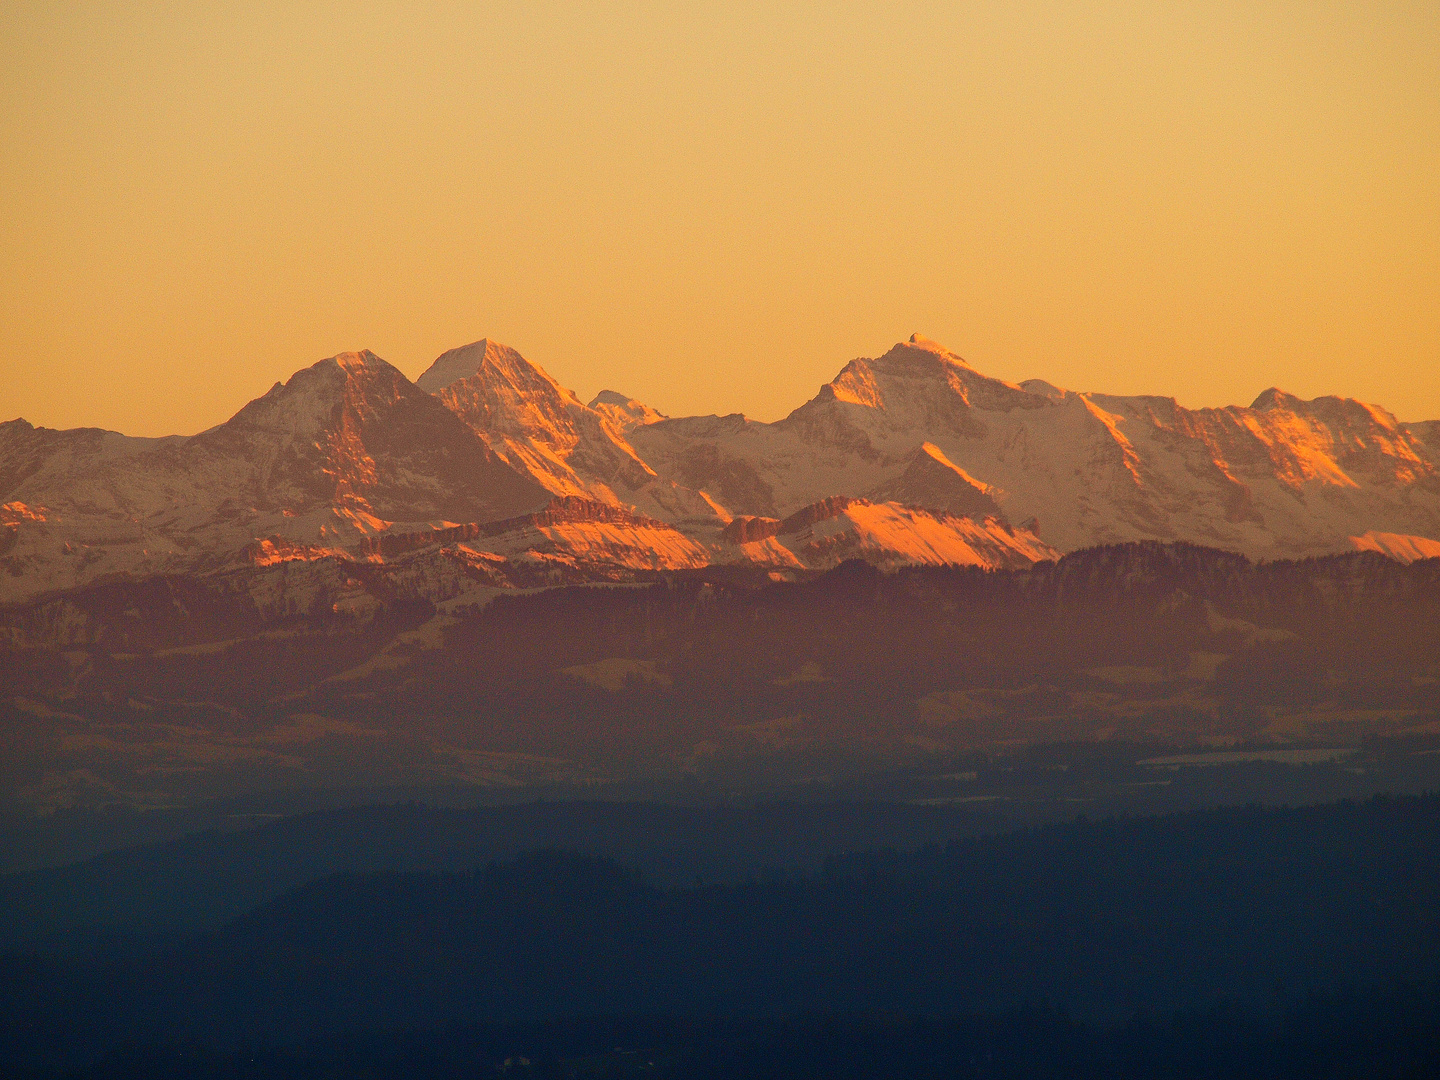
<point x="624" y="412"/>
<point x="353" y="361"/>
<point x="920" y="343"/>
<point x="536" y="425"/>
<point x="461" y="363"/>
<point x="496" y="390"/>
<point x="1273" y="398"/>
<point x="349" y="448"/>
<point x="611" y="397"/>
<point x="1042" y="388"/>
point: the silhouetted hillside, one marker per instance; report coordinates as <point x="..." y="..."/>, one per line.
<point x="1259" y="908"/>
<point x="199" y="881"/>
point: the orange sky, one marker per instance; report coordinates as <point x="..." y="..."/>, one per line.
<point x="712" y="207"/>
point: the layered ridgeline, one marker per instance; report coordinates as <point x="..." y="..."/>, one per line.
<point x="486" y="474"/>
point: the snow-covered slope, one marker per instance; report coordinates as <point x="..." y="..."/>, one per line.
<point x="910" y="457"/>
<point x="931" y="479"/>
<point x="1406" y="549"/>
<point x="827" y="533"/>
<point x="1426" y="432"/>
<point x="623" y="412"/>
<point x="541" y="429"/>
<point x="533" y="422"/>
<point x="344" y="449"/>
<point x="1281" y="478"/>
<point x="594" y="537"/>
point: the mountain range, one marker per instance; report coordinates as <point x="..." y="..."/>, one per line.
<point x="485" y="474"/>
<point x="928" y="607"/>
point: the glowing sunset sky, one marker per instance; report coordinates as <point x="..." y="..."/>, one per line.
<point x="712" y="207"/>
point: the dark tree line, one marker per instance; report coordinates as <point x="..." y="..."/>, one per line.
<point x="1260" y="912"/>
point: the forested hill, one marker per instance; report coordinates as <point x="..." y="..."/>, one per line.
<point x="1261" y="909"/>
<point x="721" y="679"/>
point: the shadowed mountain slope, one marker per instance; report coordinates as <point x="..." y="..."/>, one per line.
<point x="947" y="460"/>
<point x="1282" y="478"/>
<point x="346" y="448"/>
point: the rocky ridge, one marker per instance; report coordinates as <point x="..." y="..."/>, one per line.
<point x="486" y="471"/>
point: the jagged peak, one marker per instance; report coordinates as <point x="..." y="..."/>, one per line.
<point x="919" y="343"/>
<point x="1274" y="398"/>
<point x="930" y="450"/>
<point x="500" y="363"/>
<point x="624" y="411"/>
<point x="1329" y="408"/>
<point x="1042" y="388"/>
<point x="454" y="365"/>
<point x="746" y="529"/>
<point x="348" y="364"/>
<point x="334" y="371"/>
<point x="927" y="453"/>
<point x="611" y="397"/>
<point x="855" y="384"/>
<point x="352" y="360"/>
<point x="932" y="480"/>
<point x="304" y="402"/>
<point x="918" y="377"/>
<point x="917" y="358"/>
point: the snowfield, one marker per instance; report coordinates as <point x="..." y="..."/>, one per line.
<point x="911" y="457"/>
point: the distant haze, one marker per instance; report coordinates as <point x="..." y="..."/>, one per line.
<point x="711" y="207"/>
